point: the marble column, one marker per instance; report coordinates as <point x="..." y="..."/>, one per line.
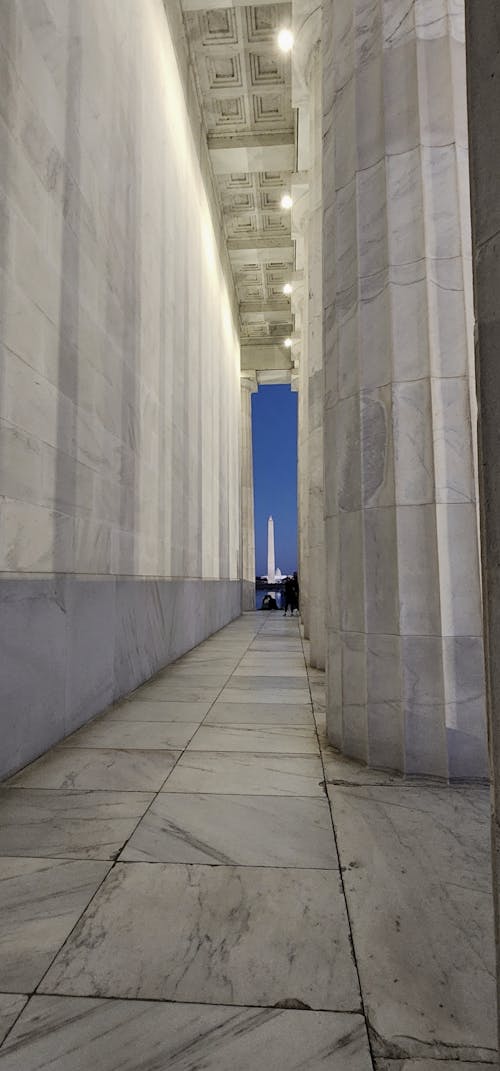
<point x="483" y="77"/>
<point x="248" y="387"/>
<point x="316" y="522"/>
<point x="404" y="660"/>
<point x="307" y="95"/>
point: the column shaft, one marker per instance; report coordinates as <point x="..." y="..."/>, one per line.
<point x="405" y="680"/>
<point x="483" y="76"/>
<point x="248" y="386"/>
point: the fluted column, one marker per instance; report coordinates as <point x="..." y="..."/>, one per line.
<point x="483" y="76"/>
<point x="307" y="98"/>
<point x="316" y="522"/>
<point x="405" y="678"/>
<point x="248" y="387"/>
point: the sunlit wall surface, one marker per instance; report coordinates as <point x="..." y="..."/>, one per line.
<point x="119" y="389"/>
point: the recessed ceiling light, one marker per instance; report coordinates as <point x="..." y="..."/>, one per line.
<point x="287" y="289"/>
<point x="285" y="40"/>
<point x="286" y="201"/>
<point x="287" y="343"/>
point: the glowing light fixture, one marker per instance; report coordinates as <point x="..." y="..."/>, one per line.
<point x="287" y="289"/>
<point x="287" y="343"/>
<point x="285" y="40"/>
<point x="286" y="201"/>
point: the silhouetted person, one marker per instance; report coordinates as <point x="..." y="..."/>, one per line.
<point x="295" y="593"/>
<point x="289" y="595"/>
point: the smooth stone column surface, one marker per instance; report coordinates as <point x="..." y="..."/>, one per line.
<point x="405" y="662"/>
<point x="483" y="76"/>
<point x="248" y="387"/>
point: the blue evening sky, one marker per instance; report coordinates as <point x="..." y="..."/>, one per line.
<point x="274" y="430"/>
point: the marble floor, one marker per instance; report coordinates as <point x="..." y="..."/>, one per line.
<point x="196" y="881"/>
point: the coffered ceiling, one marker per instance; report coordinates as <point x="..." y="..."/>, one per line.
<point x="244" y="86"/>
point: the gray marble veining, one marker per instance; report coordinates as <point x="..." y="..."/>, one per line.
<point x="128" y="735"/>
<point x="40" y="901"/>
<point x="245" y="830"/>
<point x="212" y="934"/>
<point x="140" y="1036"/>
<point x="292" y="715"/>
<point x="70" y="824"/>
<point x="271" y="739"/>
<point x="417" y="877"/>
<point x="98" y="768"/>
<point x="11" y="1004"/>
<point x="246" y="773"/>
<point x="433" y="1065"/>
<point x="264" y="695"/>
<point x="158" y="710"/>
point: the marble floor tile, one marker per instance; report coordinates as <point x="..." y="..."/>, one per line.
<point x="177" y="691"/>
<point x="98" y="768"/>
<point x="340" y="770"/>
<point x="418" y="884"/>
<point x="295" y="715"/>
<point x="264" y="695"/>
<point x="158" y="710"/>
<point x="278" y="740"/>
<point x="40" y="901"/>
<point x="249" y="672"/>
<point x="245" y="773"/>
<point x="256" y="683"/>
<point x="129" y="735"/>
<point x="81" y="825"/>
<point x="11" y="1004"/>
<point x="244" y="830"/>
<point x="125" y="1035"/>
<point x="229" y="935"/>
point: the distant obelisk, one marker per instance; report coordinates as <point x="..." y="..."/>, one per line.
<point x="271" y="561"/>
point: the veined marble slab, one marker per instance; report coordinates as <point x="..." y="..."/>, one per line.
<point x="10" y="1006"/>
<point x="341" y="770"/>
<point x="158" y="710"/>
<point x="241" y="774"/>
<point x="92" y="825"/>
<point x="74" y="1034"/>
<point x="289" y="672"/>
<point x="230" y="935"/>
<point x="177" y="691"/>
<point x="40" y="901"/>
<point x="243" y="830"/>
<point x="417" y="875"/>
<point x="256" y="683"/>
<point x="295" y="714"/>
<point x="98" y="768"/>
<point x="264" y="695"/>
<point x="271" y="739"/>
<point x="155" y="735"/>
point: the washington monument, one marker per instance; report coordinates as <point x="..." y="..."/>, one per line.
<point x="271" y="560"/>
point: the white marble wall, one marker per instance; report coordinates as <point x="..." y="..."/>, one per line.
<point x="120" y="386"/>
<point x="405" y="676"/>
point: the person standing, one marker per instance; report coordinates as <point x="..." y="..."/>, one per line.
<point x="289" y="595"/>
<point x="295" y="593"/>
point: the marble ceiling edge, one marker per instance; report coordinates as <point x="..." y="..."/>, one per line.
<point x="176" y="25"/>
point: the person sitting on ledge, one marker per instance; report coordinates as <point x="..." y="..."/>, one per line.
<point x="269" y="603"/>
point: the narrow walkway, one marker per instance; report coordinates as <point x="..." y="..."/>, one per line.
<point x="171" y="894"/>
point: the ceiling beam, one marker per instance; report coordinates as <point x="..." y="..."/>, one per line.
<point x="254" y="152"/>
<point x="255" y="357"/>
<point x="258" y="249"/>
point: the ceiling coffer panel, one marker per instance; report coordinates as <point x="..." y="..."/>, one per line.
<point x="244" y="85"/>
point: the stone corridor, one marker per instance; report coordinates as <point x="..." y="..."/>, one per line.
<point x="172" y="895"/>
